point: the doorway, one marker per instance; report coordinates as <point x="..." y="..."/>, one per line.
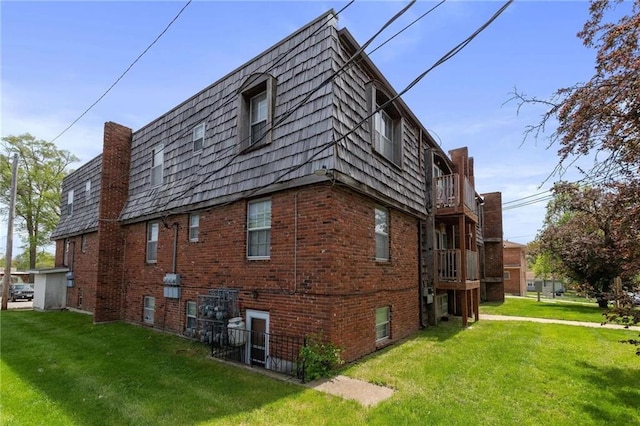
<point x="258" y="344"/>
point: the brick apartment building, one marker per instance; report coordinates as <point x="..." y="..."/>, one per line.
<point x="515" y="269"/>
<point x="336" y="214"/>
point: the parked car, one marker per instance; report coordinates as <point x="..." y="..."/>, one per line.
<point x="20" y="291"/>
<point x="635" y="298"/>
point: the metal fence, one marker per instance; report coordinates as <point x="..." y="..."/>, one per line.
<point x="275" y="352"/>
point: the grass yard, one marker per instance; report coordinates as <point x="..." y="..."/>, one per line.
<point x="59" y="369"/>
<point x="546" y="308"/>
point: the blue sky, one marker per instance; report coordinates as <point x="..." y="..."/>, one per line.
<point x="59" y="57"/>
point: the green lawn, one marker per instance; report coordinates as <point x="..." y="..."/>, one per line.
<point x="59" y="369"/>
<point x="546" y="308"/>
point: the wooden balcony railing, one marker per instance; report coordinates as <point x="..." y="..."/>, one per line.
<point x="447" y="191"/>
<point x="448" y="264"/>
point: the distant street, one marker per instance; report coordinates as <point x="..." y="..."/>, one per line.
<point x="21" y="304"/>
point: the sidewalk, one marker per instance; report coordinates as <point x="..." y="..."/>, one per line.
<point x="555" y="321"/>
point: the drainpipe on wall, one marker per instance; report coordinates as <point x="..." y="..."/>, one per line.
<point x="420" y="297"/>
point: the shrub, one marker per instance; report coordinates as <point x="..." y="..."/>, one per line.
<point x="320" y="357"/>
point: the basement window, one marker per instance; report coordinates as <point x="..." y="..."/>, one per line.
<point x="383" y="323"/>
<point x="149" y="309"/>
<point x="191" y="317"/>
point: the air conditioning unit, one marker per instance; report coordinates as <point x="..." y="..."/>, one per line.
<point x="442" y="305"/>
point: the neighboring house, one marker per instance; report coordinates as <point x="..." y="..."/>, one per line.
<point x="515" y="268"/>
<point x="550" y="286"/>
<point x="248" y="199"/>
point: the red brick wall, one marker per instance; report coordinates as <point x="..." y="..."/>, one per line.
<point x="85" y="268"/>
<point x="333" y="284"/>
<point x="514" y="263"/>
<point x="493" y="249"/>
<point x="116" y="159"/>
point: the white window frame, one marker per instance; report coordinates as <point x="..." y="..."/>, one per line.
<point x="153" y="234"/>
<point x="149" y="309"/>
<point x="258" y="112"/>
<point x="198" y="137"/>
<point x="194" y="227"/>
<point x="383" y="323"/>
<point x="65" y="254"/>
<point x="157" y="166"/>
<point x="87" y="187"/>
<point x="255" y="87"/>
<point x="382" y="241"/>
<point x="259" y="223"/>
<point x="386" y="125"/>
<point x="191" y="315"/>
<point x="70" y="202"/>
<point x="83" y="243"/>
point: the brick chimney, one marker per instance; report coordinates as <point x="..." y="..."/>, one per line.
<point x="116" y="162"/>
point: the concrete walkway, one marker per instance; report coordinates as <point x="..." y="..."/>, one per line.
<point x="345" y="387"/>
<point x="555" y="321"/>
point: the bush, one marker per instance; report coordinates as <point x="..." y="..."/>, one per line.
<point x="320" y="358"/>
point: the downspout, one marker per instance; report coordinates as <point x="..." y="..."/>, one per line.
<point x="295" y="243"/>
<point x="420" y="278"/>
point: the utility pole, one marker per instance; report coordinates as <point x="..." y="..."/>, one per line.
<point x="9" y="253"/>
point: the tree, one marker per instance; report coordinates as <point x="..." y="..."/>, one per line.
<point x="583" y="231"/>
<point x="42" y="166"/>
<point x="600" y="117"/>
<point x="44" y="259"/>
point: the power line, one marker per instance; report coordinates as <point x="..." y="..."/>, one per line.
<point x="288" y="113"/>
<point x="450" y="54"/>
<point x="124" y="73"/>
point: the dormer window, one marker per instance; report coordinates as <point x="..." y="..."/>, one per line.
<point x="386" y="126"/>
<point x="256" y="106"/>
<point x="157" y="164"/>
<point x="198" y="137"/>
<point x="258" y="122"/>
<point x="70" y="202"/>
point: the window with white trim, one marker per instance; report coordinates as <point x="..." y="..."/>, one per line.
<point x="70" y="202"/>
<point x="87" y="188"/>
<point x="157" y="165"/>
<point x="383" y="323"/>
<point x="256" y="106"/>
<point x="191" y="316"/>
<point x="198" y="137"/>
<point x="386" y="125"/>
<point x="194" y="227"/>
<point x="65" y="255"/>
<point x="149" y="309"/>
<point x="382" y="233"/>
<point x="259" y="229"/>
<point x="153" y="229"/>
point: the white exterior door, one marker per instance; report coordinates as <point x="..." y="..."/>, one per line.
<point x="258" y="344"/>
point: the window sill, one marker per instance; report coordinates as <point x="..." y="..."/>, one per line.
<point x="250" y="258"/>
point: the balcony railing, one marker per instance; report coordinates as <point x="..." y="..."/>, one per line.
<point x="449" y="265"/>
<point x="470" y="196"/>
<point x="447" y="191"/>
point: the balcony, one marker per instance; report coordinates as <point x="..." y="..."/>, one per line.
<point x="449" y="269"/>
<point x="448" y="195"/>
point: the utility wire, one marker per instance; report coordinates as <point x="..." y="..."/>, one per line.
<point x="442" y="60"/>
<point x="124" y="73"/>
<point x="288" y="113"/>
